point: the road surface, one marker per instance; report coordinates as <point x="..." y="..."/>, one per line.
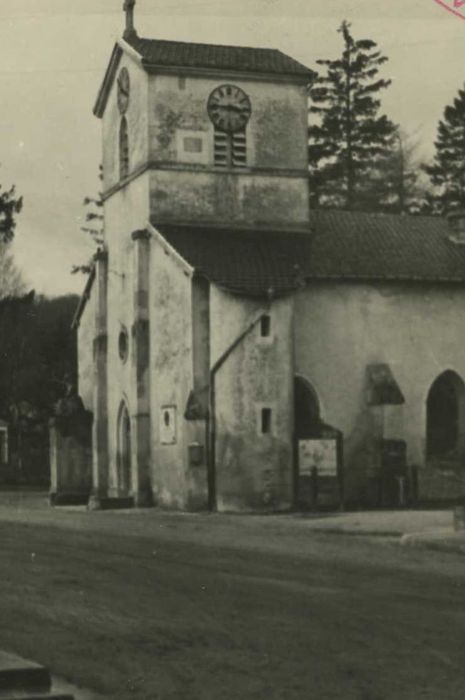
<point x="152" y="606"/>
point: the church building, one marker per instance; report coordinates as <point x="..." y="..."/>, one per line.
<point x="239" y="351"/>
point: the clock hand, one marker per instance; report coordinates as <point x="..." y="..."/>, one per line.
<point x="233" y="108"/>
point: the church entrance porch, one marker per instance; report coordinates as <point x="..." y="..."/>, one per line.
<point x="317" y="452"/>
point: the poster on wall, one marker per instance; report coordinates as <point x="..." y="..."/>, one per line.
<point x="168" y="425"/>
<point x="319" y="454"/>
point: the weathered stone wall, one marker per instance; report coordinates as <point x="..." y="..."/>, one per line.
<point x="216" y="197"/>
<point x="176" y="483"/>
<point x="164" y="110"/>
<point x="188" y="187"/>
<point x="276" y="132"/>
<point x="341" y="328"/>
<point x="137" y="119"/>
<point x="125" y="212"/>
<point x="85" y="341"/>
<point x="253" y="470"/>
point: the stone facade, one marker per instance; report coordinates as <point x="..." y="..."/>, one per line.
<point x="341" y="328"/>
<point x="204" y="369"/>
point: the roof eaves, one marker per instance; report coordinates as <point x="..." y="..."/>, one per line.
<point x="104" y="91"/>
<point x="188" y="268"/>
<point x="84" y="299"/>
<point x="301" y="78"/>
<point x="120" y="47"/>
<point x="261" y="293"/>
<point x="355" y="277"/>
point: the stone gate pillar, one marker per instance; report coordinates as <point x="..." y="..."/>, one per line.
<point x="100" y="458"/>
<point x="141" y="428"/>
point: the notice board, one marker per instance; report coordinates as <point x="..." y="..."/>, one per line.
<point x="319" y="454"/>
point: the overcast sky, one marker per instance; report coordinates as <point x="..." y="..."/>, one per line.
<point x="54" y="53"/>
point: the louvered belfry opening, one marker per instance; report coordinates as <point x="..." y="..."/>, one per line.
<point x="230" y="150"/>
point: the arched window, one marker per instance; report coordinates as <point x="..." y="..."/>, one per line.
<point x="123" y="149"/>
<point x="445" y="415"/>
<point x="124" y="450"/>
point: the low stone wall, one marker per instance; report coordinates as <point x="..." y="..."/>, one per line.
<point x="441" y="484"/>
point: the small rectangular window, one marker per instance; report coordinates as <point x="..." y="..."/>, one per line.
<point x="266" y="421"/>
<point x="265" y="326"/>
<point x="182" y="82"/>
<point x="192" y="144"/>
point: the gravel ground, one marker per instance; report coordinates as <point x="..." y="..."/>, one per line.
<point x="150" y="605"/>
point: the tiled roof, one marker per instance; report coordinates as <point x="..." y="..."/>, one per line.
<point x="159" y="52"/>
<point x="244" y="262"/>
<point x="339" y="245"/>
<point x="350" y="245"/>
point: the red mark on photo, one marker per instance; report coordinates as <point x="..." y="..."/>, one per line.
<point x="453" y="6"/>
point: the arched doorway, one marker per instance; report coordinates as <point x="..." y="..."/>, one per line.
<point x="124" y="451"/>
<point x="307" y="419"/>
<point x="445" y="417"/>
<point x="307" y="426"/>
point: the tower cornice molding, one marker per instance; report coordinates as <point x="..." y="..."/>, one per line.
<point x="166" y="166"/>
<point x="216" y="73"/>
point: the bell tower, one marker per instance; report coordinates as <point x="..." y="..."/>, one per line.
<point x="212" y="134"/>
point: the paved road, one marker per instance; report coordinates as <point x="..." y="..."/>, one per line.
<point x="173" y="607"/>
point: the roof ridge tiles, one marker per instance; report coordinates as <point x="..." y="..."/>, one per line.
<point x="206" y="44"/>
<point x="170" y="52"/>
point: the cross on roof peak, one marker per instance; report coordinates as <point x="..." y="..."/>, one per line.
<point x="128" y="7"/>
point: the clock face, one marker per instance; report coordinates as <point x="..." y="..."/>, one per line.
<point x="229" y="108"/>
<point x="123" y="90"/>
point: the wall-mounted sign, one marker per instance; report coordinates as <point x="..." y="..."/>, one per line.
<point x="319" y="454"/>
<point x="168" y="425"/>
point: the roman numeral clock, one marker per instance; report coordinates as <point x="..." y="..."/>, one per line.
<point x="229" y="108"/>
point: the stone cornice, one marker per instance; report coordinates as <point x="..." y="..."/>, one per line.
<point x="167" y="166"/>
<point x="215" y="73"/>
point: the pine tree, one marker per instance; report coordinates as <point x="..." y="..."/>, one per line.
<point x="447" y="171"/>
<point x="400" y="179"/>
<point x="351" y="138"/>
<point x="12" y="283"/>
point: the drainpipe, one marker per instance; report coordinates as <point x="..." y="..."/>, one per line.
<point x="211" y="427"/>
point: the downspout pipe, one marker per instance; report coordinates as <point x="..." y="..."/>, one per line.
<point x="212" y="504"/>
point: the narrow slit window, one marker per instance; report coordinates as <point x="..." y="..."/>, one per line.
<point x="266" y="421"/>
<point x="123" y="149"/>
<point x="265" y="326"/>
